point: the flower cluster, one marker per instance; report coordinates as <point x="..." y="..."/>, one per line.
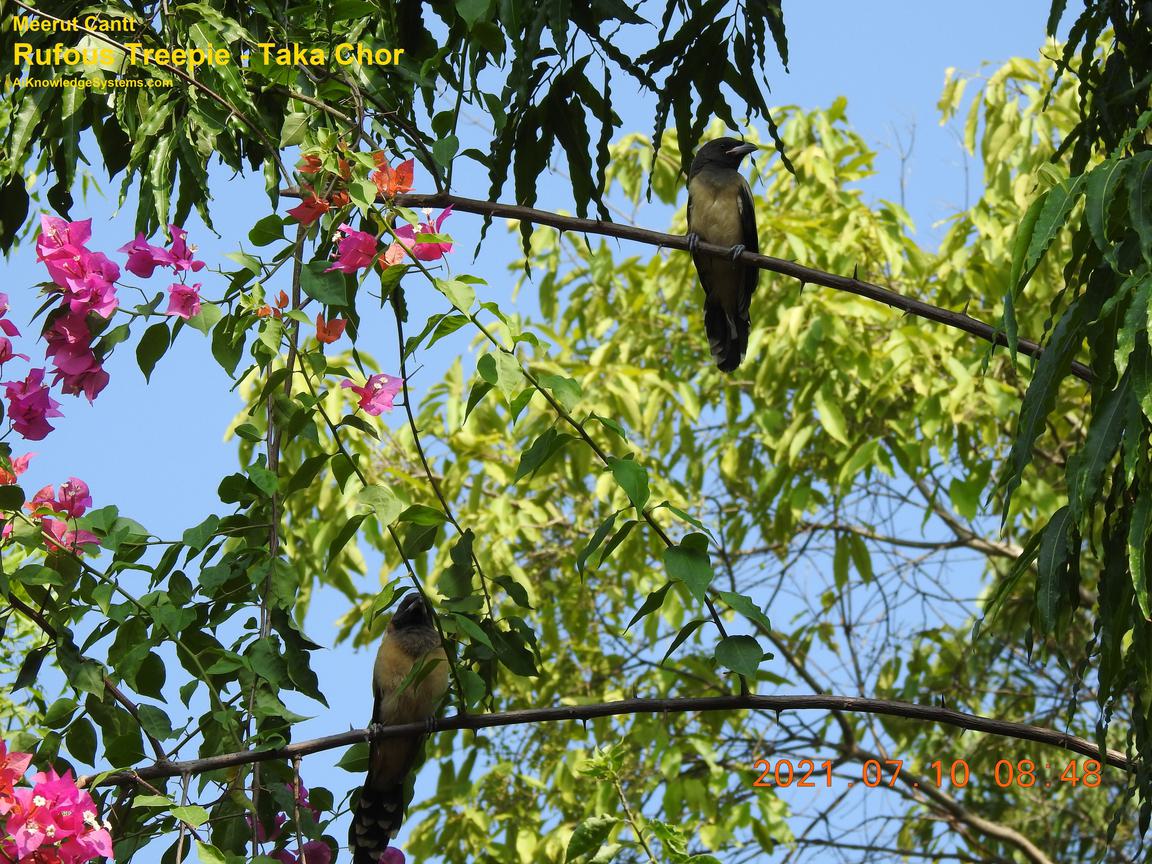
<point x="357" y="250"/>
<point x="144" y="258"/>
<point x="87" y="283"/>
<point x="53" y="822"/>
<point x="71" y="502"/>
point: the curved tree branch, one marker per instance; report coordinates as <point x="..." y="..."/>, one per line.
<point x="852" y="285"/>
<point x="804" y="702"/>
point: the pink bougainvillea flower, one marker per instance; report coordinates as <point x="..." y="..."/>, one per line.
<point x="12" y="768"/>
<point x="61" y="537"/>
<point x="19" y="466"/>
<point x="74" y="498"/>
<point x="69" y="344"/>
<point x="29" y="406"/>
<point x="7" y="326"/>
<point x="356" y="250"/>
<point x="328" y="332"/>
<point x="184" y="300"/>
<point x="181" y="252"/>
<point x="425" y="251"/>
<point x="6" y="352"/>
<point x="314" y="852"/>
<point x="377" y="393"/>
<point x="143" y="257"/>
<point x="309" y="210"/>
<point x="56" y="823"/>
<point x="93" y="291"/>
<point x="60" y="243"/>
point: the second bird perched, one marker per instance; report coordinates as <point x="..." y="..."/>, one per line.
<point x="408" y="681"/>
<point x="720" y="211"/>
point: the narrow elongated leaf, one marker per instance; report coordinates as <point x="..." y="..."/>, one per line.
<point x="1052" y="569"/>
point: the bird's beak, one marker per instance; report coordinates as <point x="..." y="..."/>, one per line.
<point x="742" y="150"/>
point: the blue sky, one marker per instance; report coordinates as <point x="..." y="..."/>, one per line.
<point x="157" y="450"/>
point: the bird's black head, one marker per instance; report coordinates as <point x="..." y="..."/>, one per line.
<point x="412" y="612"/>
<point x="721" y="153"/>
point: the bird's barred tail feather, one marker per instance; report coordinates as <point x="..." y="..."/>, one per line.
<point x="376" y="821"/>
<point x="727" y="336"/>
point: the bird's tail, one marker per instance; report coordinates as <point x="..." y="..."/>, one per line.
<point x="727" y="336"/>
<point x="375" y="822"/>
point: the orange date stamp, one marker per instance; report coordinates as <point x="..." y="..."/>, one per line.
<point x="875" y="773"/>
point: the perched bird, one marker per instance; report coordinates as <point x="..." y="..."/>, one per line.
<point x="720" y="212"/>
<point x="408" y="681"/>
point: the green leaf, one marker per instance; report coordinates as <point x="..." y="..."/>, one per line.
<point x="208" y="854"/>
<point x="594" y="542"/>
<point x="473" y="630"/>
<point x="746" y="607"/>
<point x="588" y="837"/>
<point x="840" y="558"/>
<point x="461" y="294"/>
<point x="383" y="502"/>
<point x="633" y="479"/>
<point x="685" y="631"/>
<point x="81" y="740"/>
<point x="207" y="318"/>
<point x="653" y="602"/>
<point x="566" y="390"/>
<point x="831" y="417"/>
<point x="689" y="564"/>
<point x="199" y="536"/>
<point x="267" y="230"/>
<point x="419" y="514"/>
<point x="1087" y="467"/>
<point x="306" y="473"/>
<point x="1052" y="569"/>
<point x="1041" y="396"/>
<point x="456" y="580"/>
<point x="11" y="498"/>
<point x="444" y="149"/>
<point x="547" y="445"/>
<point x="191" y="815"/>
<point x="329" y="288"/>
<point x="1058" y="203"/>
<point x="1138" y="533"/>
<point x="1101" y="186"/>
<point x="741" y="654"/>
<point x="346" y="532"/>
<point x="153" y="344"/>
<point x="1139" y="182"/>
<point x="471" y="11"/>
